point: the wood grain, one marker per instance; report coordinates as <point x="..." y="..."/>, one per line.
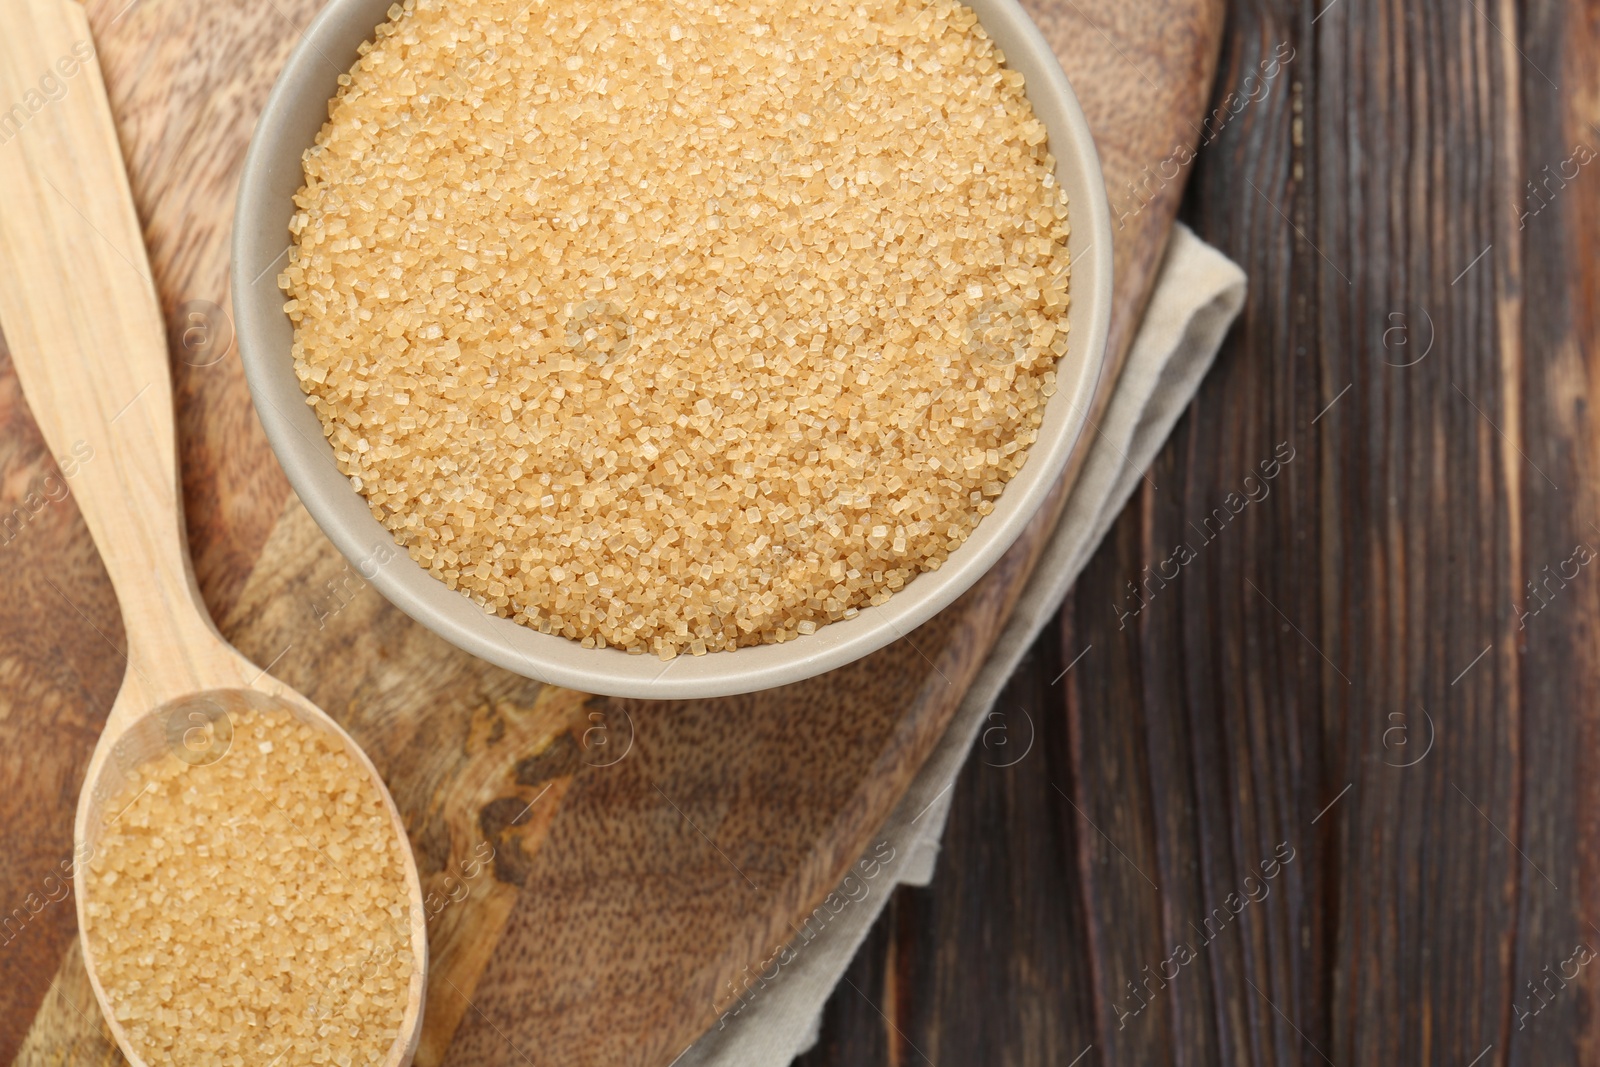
<point x="626" y="891"/>
<point x="1356" y="666"/>
<point x="85" y="334"/>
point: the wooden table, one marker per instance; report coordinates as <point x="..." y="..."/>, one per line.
<point x="1354" y="668"/>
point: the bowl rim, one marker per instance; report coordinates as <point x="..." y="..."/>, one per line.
<point x="308" y="462"/>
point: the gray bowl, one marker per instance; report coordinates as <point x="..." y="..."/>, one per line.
<point x="295" y="113"/>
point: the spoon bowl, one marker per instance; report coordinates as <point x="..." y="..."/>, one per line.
<point x="83" y="324"/>
<point x="197" y="729"/>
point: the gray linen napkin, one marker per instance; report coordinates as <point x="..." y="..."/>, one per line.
<point x="1196" y="297"/>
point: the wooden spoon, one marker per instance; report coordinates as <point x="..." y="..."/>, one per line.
<point x="81" y="319"/>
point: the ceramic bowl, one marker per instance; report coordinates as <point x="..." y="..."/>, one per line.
<point x="295" y="113"/>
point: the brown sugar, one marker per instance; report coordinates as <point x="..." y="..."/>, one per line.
<point x="679" y="327"/>
<point x="253" y="910"/>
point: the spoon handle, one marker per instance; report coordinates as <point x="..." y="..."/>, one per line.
<point x="82" y="321"/>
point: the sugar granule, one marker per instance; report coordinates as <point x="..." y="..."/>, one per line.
<point x="253" y="911"/>
<point x="679" y="327"/>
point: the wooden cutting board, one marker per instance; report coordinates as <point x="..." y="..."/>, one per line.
<point x="600" y="869"/>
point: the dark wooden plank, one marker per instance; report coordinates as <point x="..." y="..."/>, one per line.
<point x="1355" y="665"/>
